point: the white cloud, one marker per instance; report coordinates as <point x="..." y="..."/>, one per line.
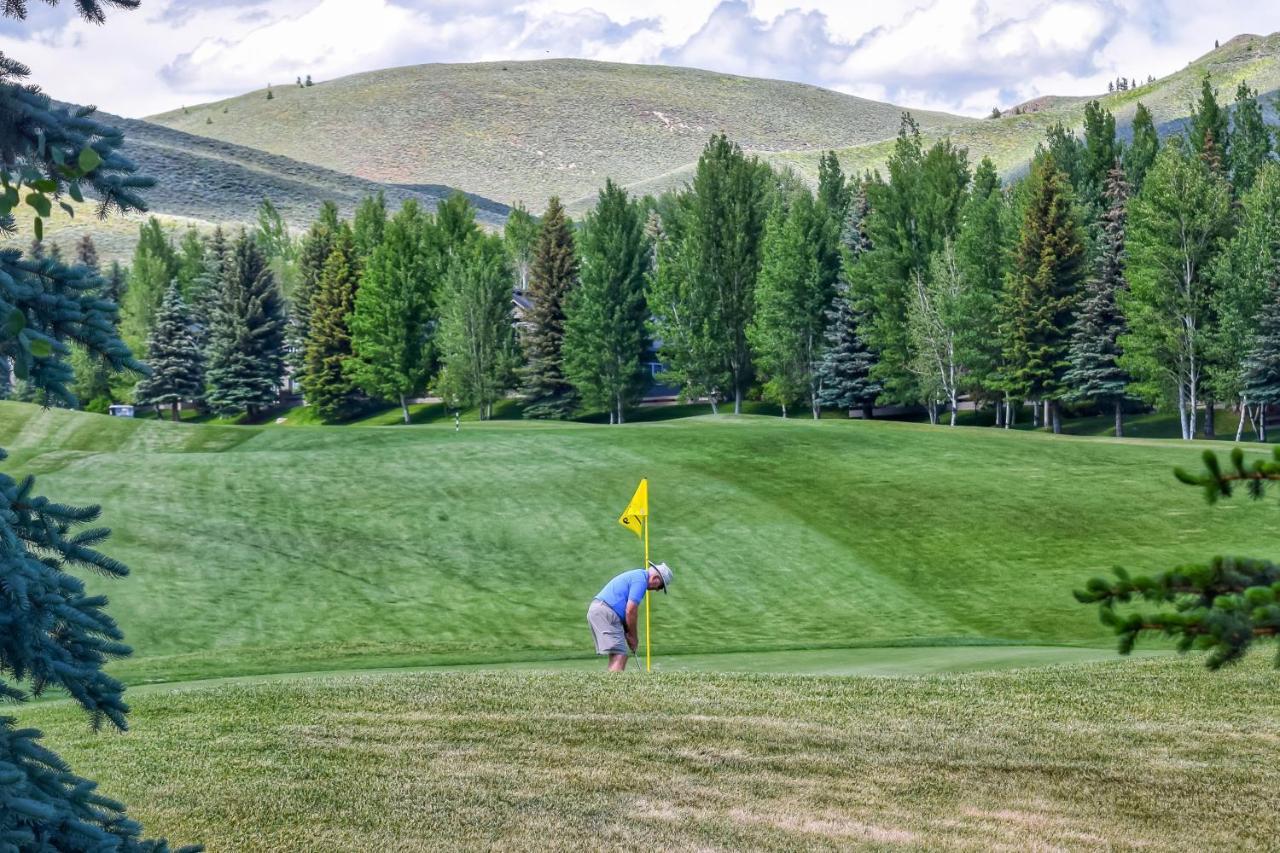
<point x="959" y="55"/>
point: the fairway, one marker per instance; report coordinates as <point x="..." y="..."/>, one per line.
<point x="1120" y="755"/>
<point x="259" y="550"/>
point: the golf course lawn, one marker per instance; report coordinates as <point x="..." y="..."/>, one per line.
<point x="256" y="550"/>
<point x="1154" y="754"/>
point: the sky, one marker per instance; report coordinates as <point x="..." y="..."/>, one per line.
<point x="961" y="56"/>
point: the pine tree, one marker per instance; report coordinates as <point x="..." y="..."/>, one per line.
<point x="1250" y="140"/>
<point x="207" y="286"/>
<point x="477" y="341"/>
<point x="56" y="635"/>
<point x="1048" y="266"/>
<point x="173" y="356"/>
<point x="845" y="374"/>
<point x="87" y="253"/>
<point x="604" y="333"/>
<point x="982" y="250"/>
<point x="1262" y="367"/>
<point x="553" y="276"/>
<point x="1173" y="231"/>
<point x="308" y="82"/>
<point x="1101" y="149"/>
<point x="314" y="251"/>
<point x="1095" y="373"/>
<point x="245" y="360"/>
<point x="391" y="328"/>
<point x="327" y="384"/>
<point x="520" y="234"/>
<point x="1141" y="153"/>
<point x="835" y="194"/>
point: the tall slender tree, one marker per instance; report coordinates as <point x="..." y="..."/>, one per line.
<point x="173" y="356"/>
<point x="1261" y="367"/>
<point x="367" y="226"/>
<point x="520" y="234"/>
<point x="553" y="277"/>
<point x="982" y="250"/>
<point x="845" y="374"/>
<point x="327" y="383"/>
<point x="1208" y="130"/>
<point x="393" y="323"/>
<point x="1174" y="227"/>
<point x="154" y="265"/>
<point x="1250" y="140"/>
<point x="1048" y="268"/>
<point x="316" y="247"/>
<point x="1095" y="374"/>
<point x="1141" y="152"/>
<point x="604" y="335"/>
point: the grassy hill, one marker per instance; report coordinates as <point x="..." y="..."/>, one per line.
<point x="1153" y="755"/>
<point x="526" y="130"/>
<point x="1011" y="141"/>
<point x="261" y="549"/>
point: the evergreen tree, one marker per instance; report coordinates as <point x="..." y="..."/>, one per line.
<point x="604" y="332"/>
<point x="173" y="356"/>
<point x="1174" y="227"/>
<point x="520" y="234"/>
<point x="553" y="276"/>
<point x="308" y="82"/>
<point x="154" y="266"/>
<point x="477" y="341"/>
<point x="1208" y="128"/>
<point x="854" y="239"/>
<point x="835" y="194"/>
<point x="786" y="333"/>
<point x="206" y="287"/>
<point x="392" y="327"/>
<point x="1262" y="367"/>
<point x="367" y="226"/>
<point x="1101" y="150"/>
<point x="1048" y="266"/>
<point x="87" y="253"/>
<point x="1141" y="153"/>
<point x="1095" y="374"/>
<point x="55" y="634"/>
<point x="1250" y="140"/>
<point x="316" y="247"/>
<point x="1068" y="153"/>
<point x="845" y="374"/>
<point x="189" y="263"/>
<point x="245" y="359"/>
<point x="327" y="384"/>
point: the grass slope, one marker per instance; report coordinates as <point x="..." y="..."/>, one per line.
<point x="1011" y="141"/>
<point x="527" y="130"/>
<point x="1127" y="755"/>
<point x="261" y="550"/>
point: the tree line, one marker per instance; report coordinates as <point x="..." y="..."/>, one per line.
<point x="1115" y="273"/>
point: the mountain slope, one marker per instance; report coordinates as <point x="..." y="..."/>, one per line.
<point x="526" y="130"/>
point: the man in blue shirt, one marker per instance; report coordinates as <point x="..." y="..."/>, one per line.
<point x="614" y="612"/>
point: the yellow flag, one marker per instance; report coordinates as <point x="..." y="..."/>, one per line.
<point x="637" y="512"/>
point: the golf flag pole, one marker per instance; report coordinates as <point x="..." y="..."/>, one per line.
<point x="636" y="519"/>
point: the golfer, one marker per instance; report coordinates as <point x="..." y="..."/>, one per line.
<point x="614" y="612"/>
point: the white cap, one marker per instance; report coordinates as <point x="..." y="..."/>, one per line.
<point x="664" y="572"/>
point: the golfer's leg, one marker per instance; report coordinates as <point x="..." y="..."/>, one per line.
<point x="617" y="663"/>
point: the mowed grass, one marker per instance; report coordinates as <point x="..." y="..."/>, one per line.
<point x="1152" y="755"/>
<point x="261" y="550"/>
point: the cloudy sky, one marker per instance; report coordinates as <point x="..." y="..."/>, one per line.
<point x="958" y="55"/>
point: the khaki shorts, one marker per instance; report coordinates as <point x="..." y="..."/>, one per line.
<point x="607" y="629"/>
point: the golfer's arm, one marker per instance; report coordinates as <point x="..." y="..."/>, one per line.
<point x="633" y="616"/>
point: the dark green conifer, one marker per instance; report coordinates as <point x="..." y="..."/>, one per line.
<point x="315" y="250"/>
<point x="1142" y="151"/>
<point x="553" y="276"/>
<point x="1095" y="374"/>
<point x="1262" y="366"/>
<point x="327" y="384"/>
<point x="845" y="374"/>
<point x="367" y="227"/>
<point x="173" y="356"/>
<point x="1208" y="131"/>
<point x="1250" y="140"/>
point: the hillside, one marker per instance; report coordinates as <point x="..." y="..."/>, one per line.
<point x="1011" y="141"/>
<point x="526" y="130"/>
<point x="265" y="549"/>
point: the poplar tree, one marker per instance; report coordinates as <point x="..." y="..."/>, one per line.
<point x="312" y="254"/>
<point x="189" y="263"/>
<point x="1095" y="374"/>
<point x="154" y="266"/>
<point x="367" y="226"/>
<point x="477" y="342"/>
<point x="173" y="356"/>
<point x="605" y="337"/>
<point x="1141" y="151"/>
<point x="1048" y="267"/>
<point x="982" y="249"/>
<point x="1173" y="231"/>
<point x="327" y="384"/>
<point x="393" y="323"/>
<point x="553" y="276"/>
<point x="520" y="235"/>
<point x="1261" y="368"/>
<point x="246" y="339"/>
<point x="56" y="635"/>
<point x="272" y="234"/>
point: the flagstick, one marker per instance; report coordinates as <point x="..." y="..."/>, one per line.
<point x="646" y="597"/>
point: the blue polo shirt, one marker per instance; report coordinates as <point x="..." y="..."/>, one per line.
<point x="628" y="586"/>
